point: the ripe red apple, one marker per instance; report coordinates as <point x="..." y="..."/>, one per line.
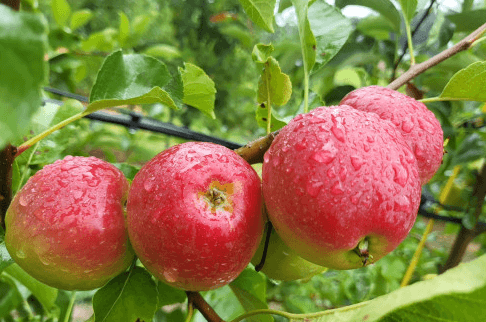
<point x="66" y="227"/>
<point x="282" y="263"/>
<point x="194" y="215"/>
<point x="418" y="125"/>
<point x="341" y="186"/>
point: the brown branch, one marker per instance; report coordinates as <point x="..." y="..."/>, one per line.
<point x="14" y="4"/>
<point x="253" y="152"/>
<point x="418" y="69"/>
<point x="7" y="156"/>
<point x="200" y="303"/>
<point x="465" y="235"/>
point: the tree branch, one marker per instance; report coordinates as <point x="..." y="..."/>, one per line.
<point x="200" y="303"/>
<point x="418" y="69"/>
<point x="14" y="4"/>
<point x="253" y="152"/>
<point x="7" y="156"/>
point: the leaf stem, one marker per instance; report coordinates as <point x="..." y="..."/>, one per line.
<point x="70" y="306"/>
<point x="306" y="89"/>
<point x="190" y="312"/>
<point x="441" y="99"/>
<point x="31" y="156"/>
<point x="269" y="103"/>
<point x="410" y="45"/>
<point x="52" y="129"/>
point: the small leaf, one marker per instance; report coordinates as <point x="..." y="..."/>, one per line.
<point x="169" y="295"/>
<point x="261" y="53"/>
<point x="274" y="86"/>
<point x="471" y="149"/>
<point x="61" y="10"/>
<point x="199" y="89"/>
<point x="5" y="259"/>
<point x="45" y="294"/>
<point x="262" y="118"/>
<point x="163" y="51"/>
<point x="469" y="20"/>
<point x="128" y="297"/>
<point x="383" y="7"/>
<point x="260" y="12"/>
<point x="134" y="79"/>
<point x="408" y="8"/>
<point x="250" y="289"/>
<point x="468" y="84"/>
<point x="23" y="43"/>
<point x="331" y="30"/>
<point x="123" y="29"/>
<point x="80" y="18"/>
<point x="307" y="39"/>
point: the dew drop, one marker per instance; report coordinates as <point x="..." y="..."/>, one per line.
<point x="338" y="133"/>
<point x="366" y="147"/>
<point x="77" y="194"/>
<point x="275" y="161"/>
<point x="20" y="254"/>
<point x="426" y="125"/>
<point x="299" y="146"/>
<point x="407" y="125"/>
<point x="402" y="204"/>
<point x="355" y="197"/>
<point x="148" y="185"/>
<point x="266" y="158"/>
<point x="313" y="188"/>
<point x="331" y="174"/>
<point x="337" y="189"/>
<point x="370" y="139"/>
<point x="23" y="200"/>
<point x="343" y="173"/>
<point x="400" y="175"/>
<point x="357" y="162"/>
<point x="170" y="275"/>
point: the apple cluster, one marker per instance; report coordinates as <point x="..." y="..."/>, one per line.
<point x="341" y="185"/>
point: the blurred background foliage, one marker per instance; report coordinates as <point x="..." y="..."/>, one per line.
<point x="218" y="37"/>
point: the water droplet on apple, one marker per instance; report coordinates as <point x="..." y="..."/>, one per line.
<point x="343" y="173"/>
<point x="370" y="139"/>
<point x="426" y="125"/>
<point x="337" y="189"/>
<point x="407" y="125"/>
<point x="275" y="161"/>
<point x="400" y="174"/>
<point x="148" y="184"/>
<point x="23" y="200"/>
<point x="266" y="158"/>
<point x="299" y="146"/>
<point x="77" y="194"/>
<point x="366" y="147"/>
<point x="313" y="188"/>
<point x="331" y="174"/>
<point x="355" y="197"/>
<point x="170" y="275"/>
<point x="357" y="162"/>
<point x="20" y="253"/>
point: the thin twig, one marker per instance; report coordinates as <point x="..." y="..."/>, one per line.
<point x="418" y="69"/>
<point x="200" y="303"/>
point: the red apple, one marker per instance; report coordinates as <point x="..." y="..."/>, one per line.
<point x="66" y="227"/>
<point x="418" y="125"/>
<point x="341" y="186"/>
<point x="194" y="215"/>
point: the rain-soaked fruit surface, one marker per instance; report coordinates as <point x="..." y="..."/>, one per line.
<point x="194" y="215"/>
<point x="341" y="186"/>
<point x="282" y="263"/>
<point x="418" y="125"/>
<point x="66" y="227"/>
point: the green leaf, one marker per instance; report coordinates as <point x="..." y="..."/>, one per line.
<point x="274" y="86"/>
<point x="376" y="26"/>
<point x="134" y="79"/>
<point x="307" y="40"/>
<point x="45" y="294"/>
<point x="262" y="118"/>
<point x="128" y="297"/>
<point x="10" y="297"/>
<point x="163" y="51"/>
<point x="408" y="8"/>
<point x="471" y="149"/>
<point x="468" y="84"/>
<point x="457" y="295"/>
<point x="250" y="289"/>
<point x="23" y="43"/>
<point x="199" y="89"/>
<point x="261" y="53"/>
<point x="383" y="7"/>
<point x="331" y="30"/>
<point x="169" y="295"/>
<point x="5" y="259"/>
<point x="260" y="12"/>
<point x="469" y="20"/>
<point x="61" y="10"/>
<point x="80" y="18"/>
<point x="123" y="29"/>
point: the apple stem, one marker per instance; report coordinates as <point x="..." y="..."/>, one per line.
<point x="363" y="251"/>
<point x="265" y="247"/>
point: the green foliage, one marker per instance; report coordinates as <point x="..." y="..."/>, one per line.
<point x="127" y="297"/>
<point x="23" y="39"/>
<point x="469" y="84"/>
<point x="261" y="12"/>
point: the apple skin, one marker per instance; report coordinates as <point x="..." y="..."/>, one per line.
<point x="282" y="263"/>
<point x="194" y="215"/>
<point x="66" y="227"/>
<point x="335" y="177"/>
<point x="418" y="125"/>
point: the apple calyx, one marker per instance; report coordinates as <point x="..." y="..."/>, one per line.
<point x="362" y="250"/>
